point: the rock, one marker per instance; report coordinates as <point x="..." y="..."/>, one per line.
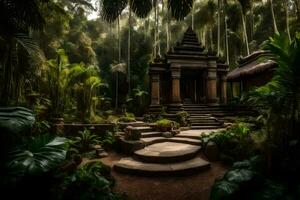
<point x="175" y="132"/>
<point x="212" y="151"/>
<point x="103" y="155"/>
<point x="167" y="134"/>
<point x="130" y="146"/>
<point x="97" y="146"/>
<point x="133" y="133"/>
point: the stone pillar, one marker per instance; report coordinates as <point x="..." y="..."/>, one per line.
<point x="223" y="88"/>
<point x="155" y="87"/>
<point x="211" y="86"/>
<point x="176" y="99"/>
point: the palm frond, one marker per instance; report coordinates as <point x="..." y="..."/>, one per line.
<point x="141" y="7"/>
<point x="32" y="48"/>
<point x="180" y="8"/>
<point x="111" y="9"/>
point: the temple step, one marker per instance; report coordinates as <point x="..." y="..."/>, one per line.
<point x="206" y="127"/>
<point x="131" y="166"/>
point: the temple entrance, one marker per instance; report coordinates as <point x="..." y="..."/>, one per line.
<point x="192" y="86"/>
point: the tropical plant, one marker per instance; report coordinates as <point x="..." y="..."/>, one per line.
<point x="13" y="120"/>
<point x="85" y="141"/>
<point x="57" y="76"/>
<point x="280" y="98"/>
<point x="90" y="181"/>
<point x="234" y="143"/>
<point x="166" y="125"/>
<point x="38" y="155"/>
<point x="128" y="117"/>
<point x="108" y="139"/>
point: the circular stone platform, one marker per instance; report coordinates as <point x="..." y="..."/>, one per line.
<point x="131" y="166"/>
<point x="166" y="152"/>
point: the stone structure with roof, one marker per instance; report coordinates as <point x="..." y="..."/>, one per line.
<point x="187" y="74"/>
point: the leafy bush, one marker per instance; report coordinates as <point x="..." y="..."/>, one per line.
<point x="242" y="176"/>
<point x="234" y="143"/>
<point x="85" y="141"/>
<point x="91" y="181"/>
<point x="182" y="118"/>
<point x="108" y="139"/>
<point x="166" y="125"/>
<point x="128" y="117"/>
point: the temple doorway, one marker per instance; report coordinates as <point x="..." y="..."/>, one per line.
<point x="192" y="86"/>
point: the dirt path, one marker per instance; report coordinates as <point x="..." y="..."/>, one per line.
<point x="192" y="187"/>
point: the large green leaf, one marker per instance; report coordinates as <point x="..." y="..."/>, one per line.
<point x="38" y="155"/>
<point x="15" y="119"/>
<point x="239" y="175"/>
<point x="223" y="189"/>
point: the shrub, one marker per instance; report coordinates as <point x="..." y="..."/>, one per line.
<point x="108" y="139"/>
<point x="128" y="117"/>
<point x="166" y="125"/>
<point x="85" y="141"/>
<point x="234" y="143"/>
<point x="182" y="118"/>
<point x="90" y="181"/>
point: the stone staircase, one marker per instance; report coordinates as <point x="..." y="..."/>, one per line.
<point x="201" y="116"/>
<point x="159" y="155"/>
<point x="211" y="116"/>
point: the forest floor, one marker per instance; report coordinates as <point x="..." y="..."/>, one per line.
<point x="191" y="187"/>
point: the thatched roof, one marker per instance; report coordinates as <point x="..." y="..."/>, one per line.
<point x="251" y="65"/>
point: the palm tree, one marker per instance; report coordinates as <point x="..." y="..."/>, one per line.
<point x="111" y="9"/>
<point x="17" y="18"/>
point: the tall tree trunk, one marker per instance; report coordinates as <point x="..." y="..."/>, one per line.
<point x="273" y="17"/>
<point x="211" y="38"/>
<point x="219" y="27"/>
<point x="193" y="13"/>
<point x="287" y="20"/>
<point x="251" y="22"/>
<point x="225" y="29"/>
<point x="158" y="38"/>
<point x="297" y="5"/>
<point x="167" y="26"/>
<point x="245" y="33"/>
<point x="129" y="49"/>
<point x="119" y="60"/>
<point x="155" y="31"/>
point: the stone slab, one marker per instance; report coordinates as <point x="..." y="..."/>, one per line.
<point x="132" y="166"/>
<point x="195" y="134"/>
<point x="153" y="140"/>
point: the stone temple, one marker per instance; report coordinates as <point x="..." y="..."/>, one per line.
<point x="187" y="75"/>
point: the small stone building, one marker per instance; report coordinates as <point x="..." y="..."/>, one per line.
<point x="187" y="74"/>
<point x="253" y="71"/>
